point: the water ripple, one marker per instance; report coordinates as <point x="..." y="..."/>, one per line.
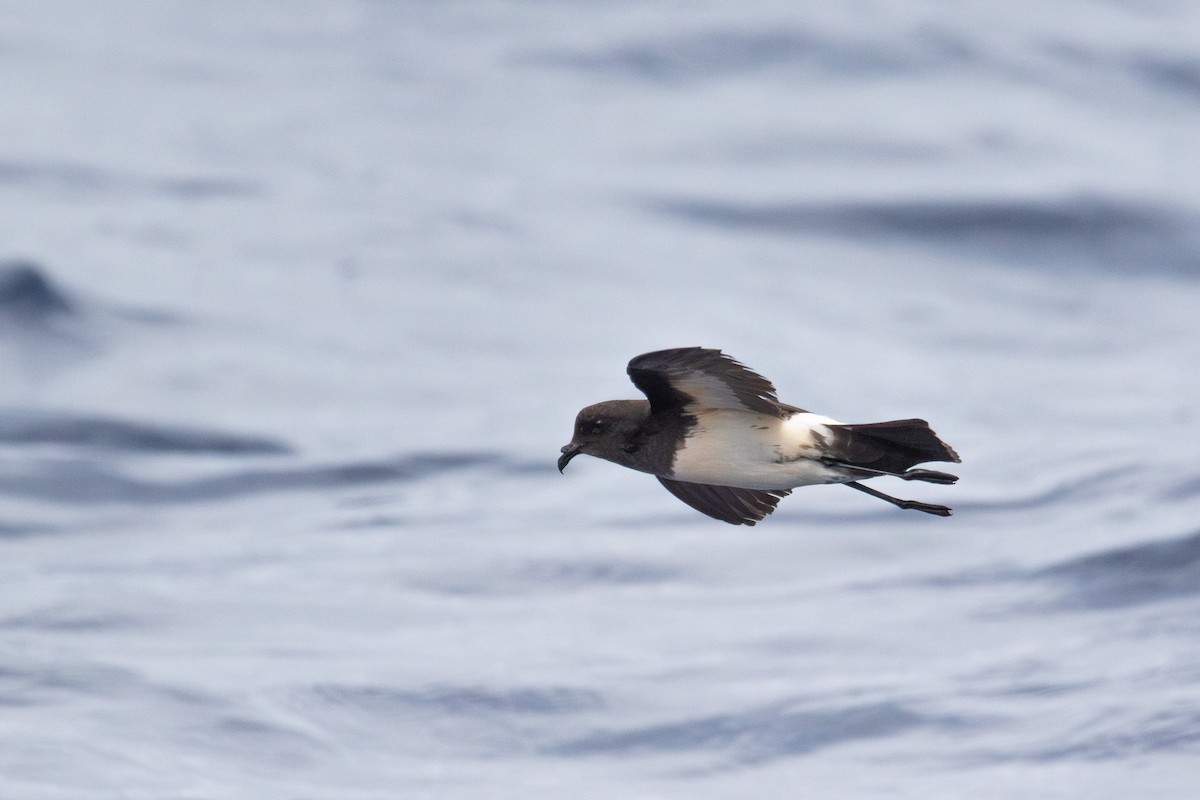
<point x="74" y="481"/>
<point x="459" y="700"/>
<point x="724" y="53"/>
<point x="27" y="295"/>
<point x="757" y="735"/>
<point x="1096" y="230"/>
<point x="37" y="428"/>
<point x="1126" y="576"/>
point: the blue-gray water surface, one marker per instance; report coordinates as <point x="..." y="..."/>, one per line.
<point x="298" y="302"/>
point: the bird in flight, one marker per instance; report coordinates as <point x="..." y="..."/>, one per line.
<point x="716" y="436"/>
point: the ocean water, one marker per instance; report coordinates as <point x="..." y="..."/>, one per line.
<point x="298" y="302"/>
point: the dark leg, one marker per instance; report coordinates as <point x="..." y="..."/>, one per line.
<point x="928" y="508"/>
<point x="927" y="475"/>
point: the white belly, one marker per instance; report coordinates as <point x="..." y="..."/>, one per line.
<point x="755" y="451"/>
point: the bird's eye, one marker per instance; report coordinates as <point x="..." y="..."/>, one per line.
<point x="594" y="427"/>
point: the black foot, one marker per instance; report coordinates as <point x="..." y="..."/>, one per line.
<point x="928" y="508"/>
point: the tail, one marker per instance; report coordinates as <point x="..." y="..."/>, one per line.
<point x="891" y="447"/>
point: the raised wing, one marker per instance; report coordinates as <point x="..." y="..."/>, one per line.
<point x="735" y="506"/>
<point x="694" y="378"/>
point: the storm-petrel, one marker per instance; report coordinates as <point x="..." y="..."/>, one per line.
<point x="713" y="432"/>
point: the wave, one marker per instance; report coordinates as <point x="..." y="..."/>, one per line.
<point x="757" y="735"/>
<point x="460" y="718"/>
<point x="541" y="576"/>
<point x="1115" y="736"/>
<point x="1126" y="576"/>
<point x="74" y="179"/>
<point x="75" y="481"/>
<point x="720" y="54"/>
<point x="40" y="428"/>
<point x="1075" y="229"/>
<point x="458" y="700"/>
<point x="28" y="295"/>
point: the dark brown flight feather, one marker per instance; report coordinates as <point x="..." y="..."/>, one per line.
<point x="691" y="378"/>
<point x="726" y="503"/>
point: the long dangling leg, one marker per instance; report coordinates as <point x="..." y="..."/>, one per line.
<point x="928" y="508"/>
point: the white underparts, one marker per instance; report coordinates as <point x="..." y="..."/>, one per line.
<point x="729" y="447"/>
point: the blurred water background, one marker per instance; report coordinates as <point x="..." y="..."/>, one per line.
<point x="298" y="301"/>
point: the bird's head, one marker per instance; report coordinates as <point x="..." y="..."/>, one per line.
<point x="607" y="430"/>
